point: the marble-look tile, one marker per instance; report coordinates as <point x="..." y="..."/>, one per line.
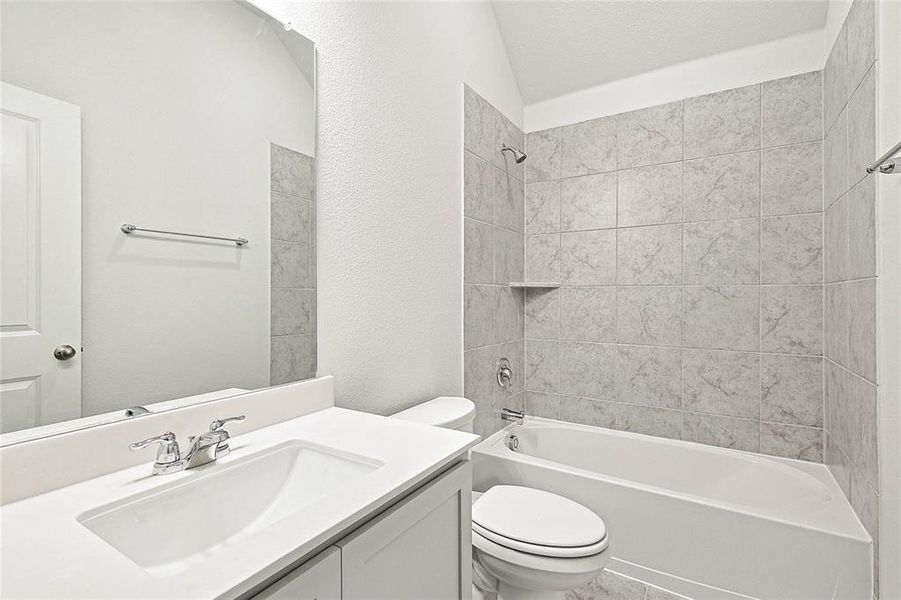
<point x="586" y="411"/>
<point x="609" y="586"/>
<point x="505" y="132"/>
<point x="862" y="336"/>
<point x="588" y="257"/>
<point x="290" y="218"/>
<point x="649" y="136"/>
<point x="838" y="464"/>
<point x="835" y="80"/>
<point x="587" y="370"/>
<point x="290" y="265"/>
<point x="588" y="202"/>
<point x="723" y="187"/>
<point x="835" y="161"/>
<point x="722" y="252"/>
<point x="479" y="376"/>
<point x="722" y="383"/>
<point x="791" y="319"/>
<point x="865" y="456"/>
<point x="513" y="351"/>
<point x="290" y="172"/>
<point x="542" y="314"/>
<point x="791" y="109"/>
<point x="588" y="314"/>
<point x="508" y="314"/>
<point x="861" y="230"/>
<point x="792" y="249"/>
<point x="478" y="315"/>
<point x="478" y="124"/>
<point x="543" y="257"/>
<point x="717" y="430"/>
<point x="542" y="365"/>
<point x="545" y="406"/>
<point x="649" y="420"/>
<point x="837" y="319"/>
<point x="659" y="594"/>
<point x="509" y="201"/>
<point x="543" y="149"/>
<point x="721" y="317"/>
<point x="861" y="26"/>
<point x="722" y="122"/>
<point x="862" y="150"/>
<point x="649" y="376"/>
<point x="865" y="502"/>
<point x="588" y="147"/>
<point x="508" y="256"/>
<point x="836" y="224"/>
<point x="792" y="389"/>
<point x="543" y="207"/>
<point x="478" y="188"/>
<point x="292" y="358"/>
<point x="649" y="255"/>
<point x="791" y="179"/>
<point x="292" y="311"/>
<point x="650" y="195"/>
<point x="649" y="315"/>
<point x="791" y="441"/>
<point x="478" y="252"/>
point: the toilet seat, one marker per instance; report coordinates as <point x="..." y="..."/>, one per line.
<point x="537" y="522"/>
<point x="541" y="550"/>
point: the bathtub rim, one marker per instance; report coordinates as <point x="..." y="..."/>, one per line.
<point x="494" y="446"/>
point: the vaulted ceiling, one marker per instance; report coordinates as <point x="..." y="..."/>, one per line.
<point x="556" y="47"/>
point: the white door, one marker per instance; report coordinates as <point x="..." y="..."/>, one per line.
<point x="40" y="259"/>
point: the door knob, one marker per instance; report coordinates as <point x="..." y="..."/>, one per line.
<point x="63" y="352"/>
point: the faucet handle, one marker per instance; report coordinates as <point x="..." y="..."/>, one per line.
<point x="218" y="423"/>
<point x="168" y="452"/>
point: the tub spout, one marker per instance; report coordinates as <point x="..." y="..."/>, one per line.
<point x="508" y="414"/>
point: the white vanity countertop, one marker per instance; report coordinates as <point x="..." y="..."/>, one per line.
<point x="47" y="553"/>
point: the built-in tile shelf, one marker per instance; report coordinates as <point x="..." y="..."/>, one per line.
<point x="550" y="285"/>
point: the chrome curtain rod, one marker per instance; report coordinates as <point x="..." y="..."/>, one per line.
<point x="886" y="163"/>
<point x="128" y="228"/>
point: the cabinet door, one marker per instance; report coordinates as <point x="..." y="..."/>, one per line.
<point x="420" y="549"/>
<point x="317" y="579"/>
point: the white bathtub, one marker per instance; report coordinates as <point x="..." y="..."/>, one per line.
<point x="706" y="522"/>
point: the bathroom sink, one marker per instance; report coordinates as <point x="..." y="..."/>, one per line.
<point x="167" y="529"/>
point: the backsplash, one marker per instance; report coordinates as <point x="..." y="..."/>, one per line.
<point x="688" y="241"/>
<point x="493" y="257"/>
<point x="292" y="277"/>
<point x="850" y="253"/>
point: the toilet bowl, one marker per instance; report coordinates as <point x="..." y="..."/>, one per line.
<point x="527" y="544"/>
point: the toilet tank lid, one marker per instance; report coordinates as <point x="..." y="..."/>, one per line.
<point x="445" y="411"/>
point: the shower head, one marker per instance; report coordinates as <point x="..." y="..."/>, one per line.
<point x="518" y="155"/>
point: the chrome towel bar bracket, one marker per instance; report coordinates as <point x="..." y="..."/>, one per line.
<point x="128" y="228"/>
<point x="886" y="163"/>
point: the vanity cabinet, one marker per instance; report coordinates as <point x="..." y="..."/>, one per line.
<point x="418" y="549"/>
<point x="317" y="579"/>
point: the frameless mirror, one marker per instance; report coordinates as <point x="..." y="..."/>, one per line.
<point x="158" y="238"/>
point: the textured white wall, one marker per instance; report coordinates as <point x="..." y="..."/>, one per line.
<point x="180" y="101"/>
<point x="771" y="60"/>
<point x="389" y="188"/>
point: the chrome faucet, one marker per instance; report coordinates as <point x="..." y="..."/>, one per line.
<point x="517" y="416"/>
<point x="205" y="448"/>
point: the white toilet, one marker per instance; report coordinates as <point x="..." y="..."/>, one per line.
<point x="528" y="544"/>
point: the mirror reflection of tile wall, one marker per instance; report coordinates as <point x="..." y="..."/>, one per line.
<point x="292" y="276"/>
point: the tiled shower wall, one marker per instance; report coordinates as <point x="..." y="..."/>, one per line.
<point x="687" y="238"/>
<point x="292" y="310"/>
<point x="850" y="251"/>
<point x="493" y="257"/>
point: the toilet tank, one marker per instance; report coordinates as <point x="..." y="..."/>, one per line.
<point x="450" y="412"/>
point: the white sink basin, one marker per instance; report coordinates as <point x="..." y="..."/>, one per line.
<point x="169" y="528"/>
